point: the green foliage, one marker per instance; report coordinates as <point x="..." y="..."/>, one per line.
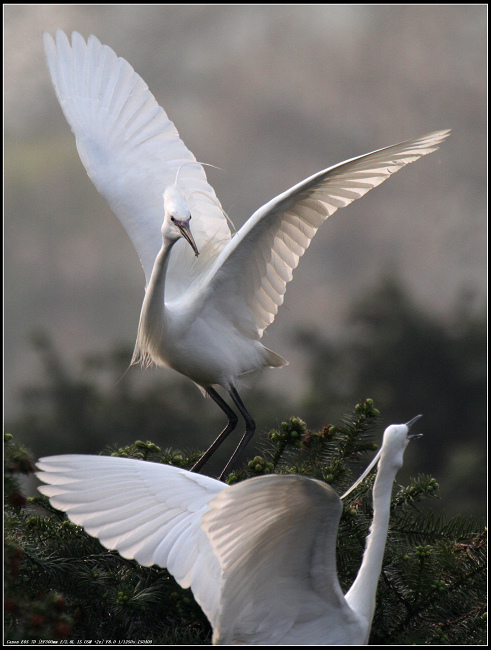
<point x="62" y="584"/>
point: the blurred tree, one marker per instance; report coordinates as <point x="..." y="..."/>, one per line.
<point x="398" y="355"/>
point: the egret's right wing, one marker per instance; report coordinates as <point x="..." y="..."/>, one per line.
<point x="275" y="539"/>
<point x="132" y="151"/>
<point x="249" y="278"/>
<point x="149" y="512"/>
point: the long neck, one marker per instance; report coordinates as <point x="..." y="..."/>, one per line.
<point x="153" y="313"/>
<point x="361" y="596"/>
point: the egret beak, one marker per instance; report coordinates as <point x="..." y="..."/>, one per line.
<point x="186" y="233"/>
<point x="409" y="424"/>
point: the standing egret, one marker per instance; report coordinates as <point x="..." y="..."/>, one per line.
<point x="259" y="556"/>
<point x="202" y="315"/>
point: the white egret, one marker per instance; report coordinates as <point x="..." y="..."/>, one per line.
<point x="202" y="316"/>
<point x="259" y="556"/>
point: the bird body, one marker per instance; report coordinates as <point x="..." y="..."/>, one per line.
<point x="195" y="339"/>
<point x="208" y="300"/>
<point x="259" y="556"/>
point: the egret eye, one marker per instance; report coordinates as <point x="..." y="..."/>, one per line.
<point x="172" y="219"/>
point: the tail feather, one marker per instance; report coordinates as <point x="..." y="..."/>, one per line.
<point x="274" y="360"/>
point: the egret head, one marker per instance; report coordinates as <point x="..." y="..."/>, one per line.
<point x="177" y="217"/>
<point x="396" y="439"/>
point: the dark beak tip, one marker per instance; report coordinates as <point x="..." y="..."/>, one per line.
<point x="411" y="422"/>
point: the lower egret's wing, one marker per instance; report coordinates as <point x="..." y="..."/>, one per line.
<point x="248" y="280"/>
<point x="131" y="150"/>
<point x="148" y="512"/>
<point x="275" y="540"/>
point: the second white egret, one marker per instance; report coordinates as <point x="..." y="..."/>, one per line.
<point x="208" y="300"/>
<point x="259" y="556"/>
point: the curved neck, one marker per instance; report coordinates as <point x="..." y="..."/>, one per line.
<point x="155" y="291"/>
<point x="361" y="596"/>
<point x="152" y="316"/>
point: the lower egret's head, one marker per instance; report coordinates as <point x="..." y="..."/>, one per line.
<point x="396" y="439"/>
<point x="177" y="217"/>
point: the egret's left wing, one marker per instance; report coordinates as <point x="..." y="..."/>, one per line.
<point x="248" y="280"/>
<point x="148" y="512"/>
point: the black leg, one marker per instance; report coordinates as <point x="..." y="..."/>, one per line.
<point x="249" y="432"/>
<point x="231" y="424"/>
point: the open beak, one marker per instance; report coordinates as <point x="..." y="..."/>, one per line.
<point x="186" y="233"/>
<point x="409" y="424"/>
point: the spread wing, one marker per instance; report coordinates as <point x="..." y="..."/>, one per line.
<point x="146" y="511"/>
<point x="132" y="151"/>
<point x="248" y="280"/>
<point x="275" y="540"/>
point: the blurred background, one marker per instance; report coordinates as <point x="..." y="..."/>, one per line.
<point x="389" y="301"/>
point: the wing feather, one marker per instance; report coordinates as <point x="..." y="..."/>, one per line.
<point x="269" y="246"/>
<point x="146" y="511"/>
<point x="132" y="152"/>
<point x="275" y="540"/>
